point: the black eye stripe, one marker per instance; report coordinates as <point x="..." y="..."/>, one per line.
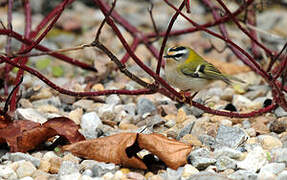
<point x="177" y="48"/>
<point x="177" y="55"/>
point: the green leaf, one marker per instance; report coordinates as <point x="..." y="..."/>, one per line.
<point x="15" y="69"/>
<point x="57" y="149"/>
<point x="57" y="71"/>
<point x="42" y="63"/>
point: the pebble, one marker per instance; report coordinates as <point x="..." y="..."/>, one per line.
<point x="189" y="170"/>
<point x="101" y="168"/>
<point x="280" y="112"/>
<point x="106" y="112"/>
<point x="243" y="175"/>
<point x="30" y="114"/>
<point x="76" y="115"/>
<point x="18" y="156"/>
<point x="89" y="123"/>
<point x="282" y="175"/>
<point x="269" y="142"/>
<point x="191" y="140"/>
<point x="55" y="165"/>
<point x="278" y="125"/>
<point x="271" y="169"/>
<point x="226" y="151"/>
<point x="200" y="158"/>
<point x="206" y="176"/>
<point x="44" y="93"/>
<point x="145" y="106"/>
<point x="254" y="160"/>
<point x="7" y="172"/>
<point x="88" y="172"/>
<point x="240" y="101"/>
<point x="185" y="130"/>
<point x="70" y="157"/>
<point x="113" y="99"/>
<point x="279" y="155"/>
<point x="135" y="175"/>
<point x="207" y="140"/>
<point x="54" y="100"/>
<point x="26" y="168"/>
<point x="87" y="105"/>
<point x="68" y="167"/>
<point x="45" y="165"/>
<point x="224" y="162"/>
<point x="75" y="175"/>
<point x="230" y="136"/>
<point x="227" y="94"/>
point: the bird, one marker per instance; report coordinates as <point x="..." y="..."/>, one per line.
<point x="188" y="71"/>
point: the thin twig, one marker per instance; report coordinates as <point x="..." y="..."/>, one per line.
<point x="104" y="21"/>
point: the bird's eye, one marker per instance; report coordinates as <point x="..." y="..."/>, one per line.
<point x="177" y="56"/>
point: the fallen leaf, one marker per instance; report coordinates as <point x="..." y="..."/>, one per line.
<point x="25" y="135"/>
<point x="108" y="149"/>
<point x="173" y="153"/>
<point x="122" y="148"/>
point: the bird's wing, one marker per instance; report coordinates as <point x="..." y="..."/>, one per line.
<point x="205" y="71"/>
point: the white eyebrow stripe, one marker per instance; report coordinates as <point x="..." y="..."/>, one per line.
<point x="180" y="52"/>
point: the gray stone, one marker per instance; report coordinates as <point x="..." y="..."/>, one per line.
<point x="7" y="172"/>
<point x="207" y="176"/>
<point x="68" y="167"/>
<point x="230" y="136"/>
<point x="185" y="130"/>
<point x="246" y="124"/>
<point x="224" y="162"/>
<point x="101" y="168"/>
<point x="113" y="99"/>
<point x="89" y="124"/>
<point x="145" y="106"/>
<point x="88" y="172"/>
<point x="200" y="158"/>
<point x="243" y="175"/>
<point x="280" y="112"/>
<point x="71" y="176"/>
<point x="106" y="112"/>
<point x="274" y="168"/>
<point x="55" y="101"/>
<point x="279" y="155"/>
<point x="173" y="174"/>
<point x="88" y="164"/>
<point x="254" y="160"/>
<point x="282" y="175"/>
<point x="226" y="151"/>
<point x="207" y="140"/>
<point x="18" y="156"/>
<point x="196" y="111"/>
<point x="30" y="114"/>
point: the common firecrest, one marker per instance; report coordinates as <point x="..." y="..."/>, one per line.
<point x="188" y="71"/>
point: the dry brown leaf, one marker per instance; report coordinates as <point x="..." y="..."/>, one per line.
<point x="24" y="135"/>
<point x="122" y="149"/>
<point x="229" y="68"/>
<point x="173" y="153"/>
<point x="108" y="149"/>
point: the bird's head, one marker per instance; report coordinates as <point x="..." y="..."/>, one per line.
<point x="178" y="53"/>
